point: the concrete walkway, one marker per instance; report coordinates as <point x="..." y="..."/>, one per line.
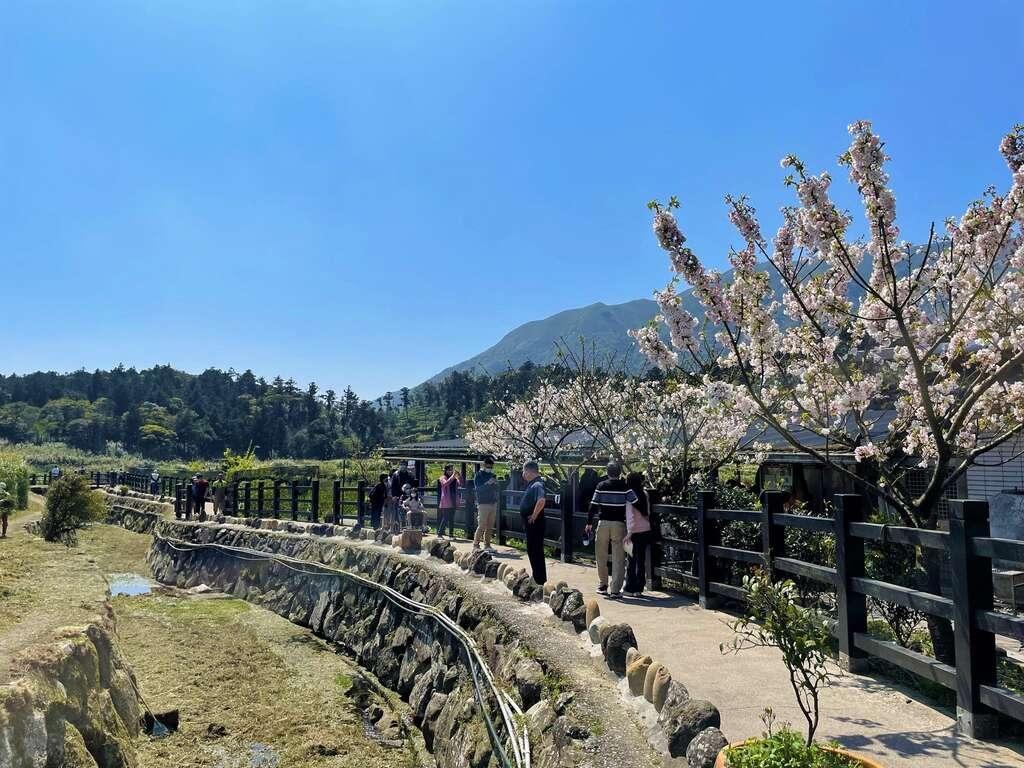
<point x="865" y="714"/>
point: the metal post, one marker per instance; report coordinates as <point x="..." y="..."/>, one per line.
<point x="314" y="502"/>
<point x="972" y="592"/>
<point x="852" y="606"/>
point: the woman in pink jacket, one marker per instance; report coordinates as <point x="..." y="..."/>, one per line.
<point x="639" y="534"/>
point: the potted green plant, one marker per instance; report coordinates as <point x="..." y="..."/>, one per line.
<point x="774" y="619"/>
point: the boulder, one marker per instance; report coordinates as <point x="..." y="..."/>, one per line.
<point x="529" y="679"/>
<point x="593" y="610"/>
<point x="574" y="610"/>
<point x="409" y="540"/>
<point x="704" y="748"/>
<point x="660" y="687"/>
<point x="502" y="570"/>
<point x="693" y="717"/>
<point x="675" y="697"/>
<point x="541" y="716"/>
<point x="430" y="716"/>
<point x="631" y="655"/>
<point x="548" y="589"/>
<point x="492" y="570"/>
<point x="614" y="645"/>
<point x="636" y="673"/>
<point x="594" y="629"/>
<point x="657" y="668"/>
<point x="558" y="596"/>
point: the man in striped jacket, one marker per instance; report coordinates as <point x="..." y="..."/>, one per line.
<point x="609" y="507"/>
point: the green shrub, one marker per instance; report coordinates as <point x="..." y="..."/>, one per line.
<point x="14" y="473"/>
<point x="70" y="506"/>
<point x="784" y="748"/>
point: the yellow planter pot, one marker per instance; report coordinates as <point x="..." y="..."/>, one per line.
<point x="864" y="762"/>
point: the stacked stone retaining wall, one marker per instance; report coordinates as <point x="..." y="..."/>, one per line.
<point x="573" y="710"/>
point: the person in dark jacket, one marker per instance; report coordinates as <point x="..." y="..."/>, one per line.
<point x="608" y="507"/>
<point x="485" y="483"/>
<point x="199" y="487"/>
<point x="379" y="496"/>
<point x="531" y="508"/>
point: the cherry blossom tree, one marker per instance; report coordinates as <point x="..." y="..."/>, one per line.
<point x="907" y="357"/>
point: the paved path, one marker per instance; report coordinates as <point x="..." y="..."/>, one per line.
<point x="862" y="713"/>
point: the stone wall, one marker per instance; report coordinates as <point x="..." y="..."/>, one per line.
<point x="573" y="709"/>
<point x="136" y="513"/>
<point x="71" y="703"/>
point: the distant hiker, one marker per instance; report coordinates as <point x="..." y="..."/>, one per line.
<point x="609" y="507"/>
<point x="531" y="508"/>
<point x="379" y="496"/>
<point x="638" y="535"/>
<point x="6" y="505"/>
<point x="199" y="486"/>
<point x="54" y="473"/>
<point x="485" y="483"/>
<point x="447" y="500"/>
<point x="154" y="483"/>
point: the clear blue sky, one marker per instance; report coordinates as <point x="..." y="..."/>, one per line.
<point x="365" y="193"/>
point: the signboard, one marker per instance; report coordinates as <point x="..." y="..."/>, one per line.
<point x="777" y="477"/>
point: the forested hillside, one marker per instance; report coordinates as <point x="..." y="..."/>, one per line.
<point x="162" y="412"/>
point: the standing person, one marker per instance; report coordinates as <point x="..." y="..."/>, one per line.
<point x="199" y="486"/>
<point x="379" y="496"/>
<point x="638" y="535"/>
<point x="6" y="505"/>
<point x="154" y="483"/>
<point x="395" y="501"/>
<point x="485" y="483"/>
<point x="447" y="500"/>
<point x="531" y="508"/>
<point x="54" y="473"/>
<point x="220" y="490"/>
<point x="609" y="507"/>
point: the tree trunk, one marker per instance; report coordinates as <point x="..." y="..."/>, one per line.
<point x="940" y="629"/>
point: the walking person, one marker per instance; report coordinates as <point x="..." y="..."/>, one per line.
<point x="638" y="535"/>
<point x="531" y="508"/>
<point x="199" y="487"/>
<point x="154" y="483"/>
<point x="608" y="506"/>
<point x="485" y="484"/>
<point x="447" y="500"/>
<point x="6" y="505"/>
<point x="379" y="496"/>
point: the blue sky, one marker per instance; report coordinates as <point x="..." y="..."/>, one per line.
<point x="365" y="193"/>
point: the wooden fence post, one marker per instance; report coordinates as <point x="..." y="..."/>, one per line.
<point x="248" y="498"/>
<point x="972" y="591"/>
<point x="708" y="535"/>
<point x="277" y="499"/>
<point x="178" y="502"/>
<point x="568" y="536"/>
<point x="361" y="502"/>
<point x="336" y="516"/>
<point x="499" y="514"/>
<point x="314" y="501"/>
<point x="852" y="606"/>
<point x="773" y="537"/>
<point x="295" y="499"/>
<point x="189" y="493"/>
<point x="260" y="498"/>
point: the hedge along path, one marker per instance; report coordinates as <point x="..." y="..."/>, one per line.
<point x="874" y="716"/>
